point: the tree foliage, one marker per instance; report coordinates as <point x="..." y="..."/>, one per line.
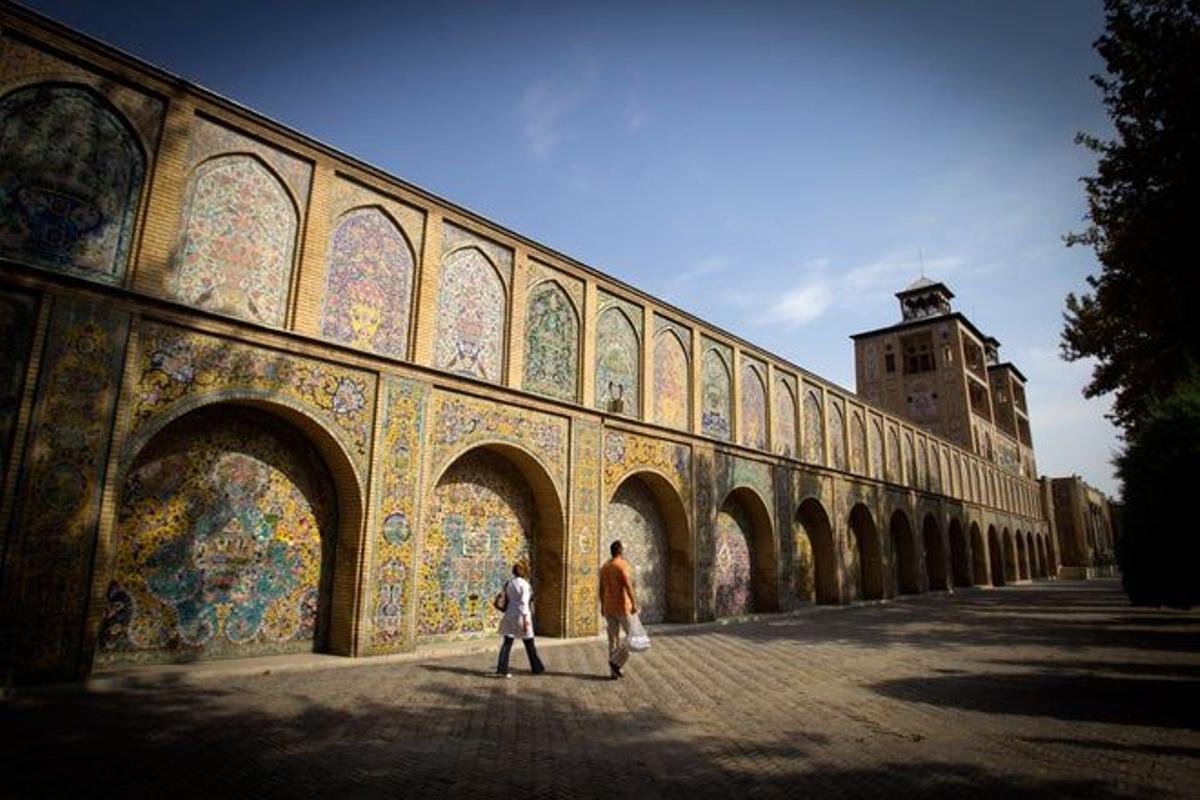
<point x="1157" y="550"/>
<point x="1138" y="318"/>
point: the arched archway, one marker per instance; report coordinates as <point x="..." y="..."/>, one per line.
<point x="1022" y="557"/>
<point x="1035" y="561"/>
<point x="493" y="505"/>
<point x="646" y="513"/>
<point x="996" y="570"/>
<point x="960" y="554"/>
<point x="904" y="555"/>
<point x="868" y="554"/>
<point x="935" y="554"/>
<point x="1011" y="571"/>
<point x="745" y="564"/>
<point x="817" y="580"/>
<point x="979" y="553"/>
<point x="238" y="533"/>
<point x="1044" y="550"/>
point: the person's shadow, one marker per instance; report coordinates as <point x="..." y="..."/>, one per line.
<point x="487" y="673"/>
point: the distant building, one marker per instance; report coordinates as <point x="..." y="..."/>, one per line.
<point x="1084" y="521"/>
<point x="939" y="370"/>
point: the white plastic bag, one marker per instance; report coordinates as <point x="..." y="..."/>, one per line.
<point x="639" y="640"/>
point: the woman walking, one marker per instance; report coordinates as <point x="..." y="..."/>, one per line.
<point x="518" y="621"/>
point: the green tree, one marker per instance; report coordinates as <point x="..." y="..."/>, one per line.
<point x="1157" y="550"/>
<point x="1139" y="317"/>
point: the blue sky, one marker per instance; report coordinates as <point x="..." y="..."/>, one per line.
<point x="777" y="169"/>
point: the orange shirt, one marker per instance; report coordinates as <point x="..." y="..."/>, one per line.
<point x="616" y="588"/>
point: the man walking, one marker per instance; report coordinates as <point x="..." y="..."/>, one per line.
<point x="616" y="604"/>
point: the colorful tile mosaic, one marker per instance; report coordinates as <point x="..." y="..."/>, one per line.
<point x="573" y="286"/>
<point x="785" y="417"/>
<point x="211" y="139"/>
<point x="224" y="543"/>
<point x="346" y="196"/>
<point x="803" y="580"/>
<point x="731" y="562"/>
<point x="71" y="174"/>
<point x="368" y="284"/>
<point x="752" y="474"/>
<point x="461" y="422"/>
<point x="716" y="393"/>
<point x="583" y="546"/>
<point x="22" y="65"/>
<point x="634" y="518"/>
<point x="471" y="317"/>
<point x="182" y="369"/>
<point x="858" y="444"/>
<point x="391" y="583"/>
<point x="754" y="404"/>
<point x="236" y="241"/>
<point x="910" y="461"/>
<point x="618" y="360"/>
<point x="837" y="436"/>
<point x="54" y="531"/>
<point x="922" y="465"/>
<point x="18" y="315"/>
<point x="706" y="520"/>
<point x="455" y="238"/>
<point x="893" y="455"/>
<point x="875" y="445"/>
<point x="479" y="522"/>
<point x="551" y="343"/>
<point x="628" y="452"/>
<point x="672" y="384"/>
<point x="814" y="429"/>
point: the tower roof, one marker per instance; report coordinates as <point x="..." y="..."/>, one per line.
<point x="923" y="284"/>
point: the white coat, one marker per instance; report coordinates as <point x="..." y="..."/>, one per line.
<point x="517" y="621"/>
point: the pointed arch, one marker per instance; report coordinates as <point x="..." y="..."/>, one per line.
<point x="875" y="446"/>
<point x="368" y="282"/>
<point x="814" y="429"/>
<point x="753" y="417"/>
<point x="893" y="456"/>
<point x="837" y="436"/>
<point x="716" y="396"/>
<point x="1022" y="557"/>
<point x="71" y="175"/>
<point x="858" y="444"/>
<point x="672" y="385"/>
<point x="785" y="419"/>
<point x="471" y="312"/>
<point x="551" y="342"/>
<point x="618" y="363"/>
<point x="1012" y="572"/>
<point x="817" y="574"/>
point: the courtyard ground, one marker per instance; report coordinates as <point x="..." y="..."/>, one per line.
<point x="1048" y="690"/>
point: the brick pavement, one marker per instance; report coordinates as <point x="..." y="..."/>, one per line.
<point x="1048" y="690"/>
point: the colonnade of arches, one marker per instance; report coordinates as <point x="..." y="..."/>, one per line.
<point x="239" y="531"/>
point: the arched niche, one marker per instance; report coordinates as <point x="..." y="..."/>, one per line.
<point x="816" y="567"/>
<point x="551" y="343"/>
<point x="996" y="566"/>
<point x="904" y="554"/>
<point x="71" y="175"/>
<point x="1012" y="572"/>
<point x="493" y="505"/>
<point x="238" y="533"/>
<point x="647" y="514"/>
<point x="868" y="550"/>
<point x="935" y="554"/>
<point x="960" y="554"/>
<point x="745" y="561"/>
<point x="979" y="553"/>
<point x="472" y="316"/>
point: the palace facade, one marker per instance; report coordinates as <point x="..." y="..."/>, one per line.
<point x="259" y="397"/>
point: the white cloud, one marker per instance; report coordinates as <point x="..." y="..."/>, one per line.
<point x="803" y="303"/>
<point x="703" y="267"/>
<point x="542" y="110"/>
<point x="636" y="116"/>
